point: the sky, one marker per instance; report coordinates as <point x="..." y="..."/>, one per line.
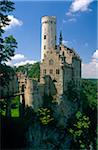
<point x="77" y="19"/>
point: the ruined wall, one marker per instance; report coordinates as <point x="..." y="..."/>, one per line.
<point x="32" y="91"/>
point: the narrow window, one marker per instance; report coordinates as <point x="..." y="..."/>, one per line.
<point x="63" y="53"/>
<point x="51" y="71"/>
<point x="44" y="46"/>
<point x="44" y="37"/>
<point x="44" y="71"/>
<point x="57" y="71"/>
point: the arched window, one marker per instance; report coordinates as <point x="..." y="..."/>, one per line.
<point x="51" y="62"/>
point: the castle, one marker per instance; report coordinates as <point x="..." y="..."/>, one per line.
<point x="59" y="65"/>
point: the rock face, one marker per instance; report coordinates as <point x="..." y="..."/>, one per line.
<point x="54" y="136"/>
<point x="47" y="138"/>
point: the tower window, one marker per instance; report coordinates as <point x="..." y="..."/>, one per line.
<point x="44" y="36"/>
<point x="44" y="46"/>
<point x="51" y="71"/>
<point x="44" y="71"/>
<point x="57" y="71"/>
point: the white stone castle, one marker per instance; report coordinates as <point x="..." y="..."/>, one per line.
<point x="59" y="65"/>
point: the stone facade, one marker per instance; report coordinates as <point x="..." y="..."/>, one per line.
<point x="62" y="65"/>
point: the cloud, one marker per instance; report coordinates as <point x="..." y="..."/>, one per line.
<point x="80" y="5"/>
<point x="69" y="20"/>
<point x="90" y="70"/>
<point x="65" y="42"/>
<point x="18" y="57"/>
<point x="25" y="62"/>
<point x="95" y="55"/>
<point x="13" y="22"/>
<point x="19" y="60"/>
<point x="72" y="20"/>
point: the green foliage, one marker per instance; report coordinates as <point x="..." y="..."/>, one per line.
<point x="80" y="130"/>
<point x="89" y="93"/>
<point x="7" y="44"/>
<point x="6" y="6"/>
<point x="33" y="70"/>
<point x="10" y="45"/>
<point x="45" y="116"/>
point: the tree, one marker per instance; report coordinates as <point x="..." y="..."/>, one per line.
<point x="80" y="131"/>
<point x="7" y="46"/>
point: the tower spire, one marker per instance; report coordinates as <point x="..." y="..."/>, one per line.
<point x="60" y="38"/>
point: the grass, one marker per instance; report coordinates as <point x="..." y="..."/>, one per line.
<point x="14" y="111"/>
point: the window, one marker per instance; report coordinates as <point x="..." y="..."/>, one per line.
<point x="44" y="46"/>
<point x="55" y="46"/>
<point x="44" y="71"/>
<point x="63" y="53"/>
<point x="44" y="36"/>
<point x="51" y="62"/>
<point x="51" y="71"/>
<point x="57" y="71"/>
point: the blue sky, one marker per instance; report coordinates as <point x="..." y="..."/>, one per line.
<point x="79" y="26"/>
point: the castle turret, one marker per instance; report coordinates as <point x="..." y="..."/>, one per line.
<point x="48" y="34"/>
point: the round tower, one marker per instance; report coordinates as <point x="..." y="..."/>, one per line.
<point x="48" y="36"/>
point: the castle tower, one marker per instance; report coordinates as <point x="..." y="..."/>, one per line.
<point x="48" y="40"/>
